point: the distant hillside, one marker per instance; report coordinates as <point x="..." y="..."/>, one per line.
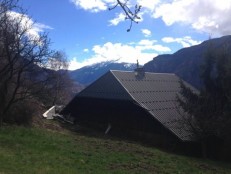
<point x="88" y="74"/>
<point x="186" y="63"/>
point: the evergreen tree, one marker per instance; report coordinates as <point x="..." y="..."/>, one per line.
<point x="209" y="111"/>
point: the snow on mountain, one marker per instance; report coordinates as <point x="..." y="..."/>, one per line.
<point x="86" y="75"/>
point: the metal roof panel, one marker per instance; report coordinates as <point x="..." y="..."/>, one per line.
<point x="156" y="92"/>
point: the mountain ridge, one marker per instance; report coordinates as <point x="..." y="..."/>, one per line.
<point x="187" y="62"/>
<point x="86" y="75"/>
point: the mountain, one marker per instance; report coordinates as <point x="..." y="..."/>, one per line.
<point x="86" y="75"/>
<point x="186" y="63"/>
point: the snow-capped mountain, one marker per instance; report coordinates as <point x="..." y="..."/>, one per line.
<point x="86" y="75"/>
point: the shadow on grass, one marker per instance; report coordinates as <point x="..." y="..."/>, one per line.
<point x="136" y="137"/>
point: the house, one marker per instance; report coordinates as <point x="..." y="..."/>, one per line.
<point x="135" y="100"/>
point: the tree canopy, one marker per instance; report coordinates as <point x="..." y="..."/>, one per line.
<point x="209" y="112"/>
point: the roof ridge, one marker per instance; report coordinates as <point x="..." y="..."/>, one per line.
<point x="122" y="85"/>
<point x="138" y="103"/>
<point x="145" y="72"/>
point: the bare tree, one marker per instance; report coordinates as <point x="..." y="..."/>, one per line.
<point x="22" y="56"/>
<point x="131" y="15"/>
<point x="60" y="82"/>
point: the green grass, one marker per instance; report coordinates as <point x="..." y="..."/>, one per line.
<point x="34" y="150"/>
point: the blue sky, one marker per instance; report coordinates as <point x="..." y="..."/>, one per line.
<point x="89" y="33"/>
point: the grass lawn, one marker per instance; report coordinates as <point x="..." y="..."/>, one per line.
<point x="34" y="150"/>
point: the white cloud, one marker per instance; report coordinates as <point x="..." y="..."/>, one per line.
<point x="149" y="45"/>
<point x="117" y="52"/>
<point x="75" y="64"/>
<point x="147" y="42"/>
<point x="102" y="5"/>
<point x="86" y="50"/>
<point x="93" y="5"/>
<point x="146" y="32"/>
<point x="186" y="41"/>
<point x="33" y="29"/>
<point x="41" y="27"/>
<point x="119" y="18"/>
<point x="161" y="48"/>
<point x="210" y="16"/>
<point x="148" y="4"/>
<point x="144" y="50"/>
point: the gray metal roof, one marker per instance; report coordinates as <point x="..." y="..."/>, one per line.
<point x="155" y="92"/>
<point x="106" y="87"/>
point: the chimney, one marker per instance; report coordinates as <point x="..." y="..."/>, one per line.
<point x="139" y="71"/>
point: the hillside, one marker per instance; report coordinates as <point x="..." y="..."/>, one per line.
<point x="186" y="63"/>
<point x="88" y="74"/>
<point x="34" y="150"/>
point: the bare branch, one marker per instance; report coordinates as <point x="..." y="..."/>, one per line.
<point x="130" y="15"/>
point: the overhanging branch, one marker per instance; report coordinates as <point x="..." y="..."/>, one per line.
<point x="130" y="15"/>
